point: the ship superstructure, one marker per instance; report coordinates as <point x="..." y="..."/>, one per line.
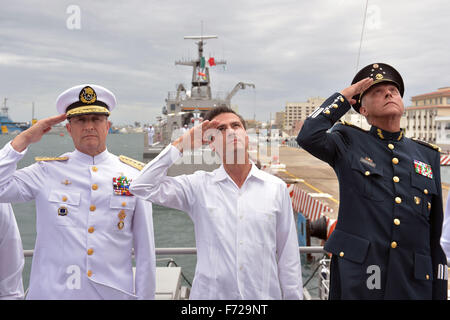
<point x="188" y="107"/>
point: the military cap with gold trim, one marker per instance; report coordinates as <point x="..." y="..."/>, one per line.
<point x="379" y="72"/>
<point x="86" y="99"/>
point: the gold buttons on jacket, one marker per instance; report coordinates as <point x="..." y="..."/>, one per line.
<point x="91" y="229"/>
<point x="341" y="99"/>
<point x="394" y="160"/>
<point x="334" y="105"/>
<point x="367" y="173"/>
<point x="391" y="146"/>
<point x="95" y="169"/>
<point x="90" y="251"/>
<point x="397" y="222"/>
<point x="396" y="179"/>
<point x="429" y="206"/>
<point x="94" y="186"/>
<point x="398" y="200"/>
<point x="89" y="273"/>
<point x="92" y="208"/>
<point x="327" y="111"/>
<point x="393" y="244"/>
<point x="425" y="191"/>
<point x="417" y="200"/>
<point x="64" y="199"/>
<point x="341" y="254"/>
<point x="427" y="277"/>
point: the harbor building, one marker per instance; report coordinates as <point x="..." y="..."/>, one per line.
<point x="296" y="112"/>
<point x="429" y="116"/>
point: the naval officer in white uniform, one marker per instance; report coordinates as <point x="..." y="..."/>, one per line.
<point x="87" y="222"/>
<point x="244" y="225"/>
<point x="11" y="255"/>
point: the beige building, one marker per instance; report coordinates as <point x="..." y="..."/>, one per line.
<point x="279" y="120"/>
<point x="299" y="111"/>
<point x="427" y="115"/>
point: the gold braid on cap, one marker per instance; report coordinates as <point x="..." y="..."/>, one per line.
<point x="87" y="110"/>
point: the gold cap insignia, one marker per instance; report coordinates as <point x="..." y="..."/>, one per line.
<point x="379" y="76"/>
<point x="88" y="95"/>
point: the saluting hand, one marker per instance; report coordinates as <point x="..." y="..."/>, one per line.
<point x="196" y="136"/>
<point x="356" y="88"/>
<point x="35" y="132"/>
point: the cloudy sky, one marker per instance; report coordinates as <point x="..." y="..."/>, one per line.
<point x="290" y="49"/>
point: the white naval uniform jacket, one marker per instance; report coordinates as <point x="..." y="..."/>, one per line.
<point x="83" y="254"/>
<point x="247" y="245"/>
<point x="11" y="255"/>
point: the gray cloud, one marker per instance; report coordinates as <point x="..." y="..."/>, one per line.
<point x="291" y="50"/>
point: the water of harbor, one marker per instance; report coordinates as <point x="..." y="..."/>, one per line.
<point x="172" y="228"/>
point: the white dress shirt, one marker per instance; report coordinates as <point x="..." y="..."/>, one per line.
<point x="80" y="251"/>
<point x="11" y="255"/>
<point x="246" y="238"/>
<point x="445" y="237"/>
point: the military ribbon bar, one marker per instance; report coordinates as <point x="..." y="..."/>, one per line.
<point x="423" y="169"/>
<point x="121" y="186"/>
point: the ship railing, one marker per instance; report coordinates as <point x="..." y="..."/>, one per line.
<point x="192" y="250"/>
<point x="216" y="95"/>
<point x="323" y="267"/>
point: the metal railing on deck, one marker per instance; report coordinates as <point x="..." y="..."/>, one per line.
<point x="182" y="251"/>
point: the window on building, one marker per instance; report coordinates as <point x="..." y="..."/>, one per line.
<point x="448" y="100"/>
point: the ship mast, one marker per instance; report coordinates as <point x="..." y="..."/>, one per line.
<point x="5" y="108"/>
<point x="200" y="71"/>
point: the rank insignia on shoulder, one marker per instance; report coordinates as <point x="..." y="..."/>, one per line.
<point x="121" y="186"/>
<point x="131" y="162"/>
<point x="423" y="169"/>
<point x="51" y="158"/>
<point x="349" y="124"/>
<point x="427" y="144"/>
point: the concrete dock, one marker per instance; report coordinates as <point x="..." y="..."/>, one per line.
<point x="318" y="177"/>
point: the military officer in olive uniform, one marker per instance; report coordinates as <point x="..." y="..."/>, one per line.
<point x="87" y="221"/>
<point x="386" y="241"/>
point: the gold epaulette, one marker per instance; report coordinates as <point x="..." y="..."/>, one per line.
<point x="131" y="162"/>
<point x="349" y="124"/>
<point x="427" y="144"/>
<point x="51" y="158"/>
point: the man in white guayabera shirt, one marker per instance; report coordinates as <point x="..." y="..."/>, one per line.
<point x="244" y="225"/>
<point x="11" y="255"/>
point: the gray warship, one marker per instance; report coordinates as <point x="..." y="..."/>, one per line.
<point x="185" y="108"/>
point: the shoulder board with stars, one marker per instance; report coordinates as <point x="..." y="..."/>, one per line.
<point x="51" y="158"/>
<point x="349" y="124"/>
<point x="427" y="144"/>
<point x="131" y="162"/>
